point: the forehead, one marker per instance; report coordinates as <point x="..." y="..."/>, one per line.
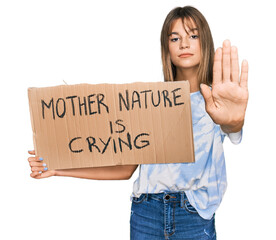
<point x="185" y="24"/>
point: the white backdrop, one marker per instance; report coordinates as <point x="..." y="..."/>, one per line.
<point x="43" y="43"/>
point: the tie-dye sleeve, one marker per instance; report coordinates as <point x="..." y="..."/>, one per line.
<point x="235" y="138"/>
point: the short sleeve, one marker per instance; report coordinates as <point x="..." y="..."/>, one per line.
<point x="235" y="138"/>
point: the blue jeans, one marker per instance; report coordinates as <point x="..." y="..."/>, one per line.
<point x="168" y="216"/>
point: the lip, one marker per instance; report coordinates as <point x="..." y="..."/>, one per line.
<point x="184" y="55"/>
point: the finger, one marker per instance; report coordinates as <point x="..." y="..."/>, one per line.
<point x="207" y="94"/>
<point x="226" y="64"/>
<point x="39" y="169"/>
<point x="35" y="174"/>
<point x="39" y="175"/>
<point x="217" y="74"/>
<point x="235" y="71"/>
<point x="244" y="74"/>
<point x="35" y="159"/>
<point x="32" y="152"/>
<point x="37" y="164"/>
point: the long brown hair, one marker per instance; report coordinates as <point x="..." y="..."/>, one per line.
<point x="189" y="14"/>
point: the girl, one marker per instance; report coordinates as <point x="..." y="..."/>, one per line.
<point x="178" y="201"/>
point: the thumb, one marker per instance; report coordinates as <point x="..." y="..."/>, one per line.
<point x="207" y="94"/>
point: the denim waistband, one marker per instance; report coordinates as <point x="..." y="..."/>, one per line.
<point x="166" y="197"/>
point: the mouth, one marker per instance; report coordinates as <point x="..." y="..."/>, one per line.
<point x="185" y="55"/>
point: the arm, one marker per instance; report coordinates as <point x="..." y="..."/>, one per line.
<point x="227" y="101"/>
<point x="123" y="172"/>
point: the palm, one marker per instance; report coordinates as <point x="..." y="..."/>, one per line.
<point x="227" y="100"/>
<point x="230" y="101"/>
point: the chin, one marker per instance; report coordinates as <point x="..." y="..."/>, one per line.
<point x="187" y="66"/>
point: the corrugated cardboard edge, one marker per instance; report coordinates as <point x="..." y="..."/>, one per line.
<point x="191" y="120"/>
<point x="31" y="116"/>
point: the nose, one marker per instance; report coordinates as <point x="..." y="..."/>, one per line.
<point x="184" y="43"/>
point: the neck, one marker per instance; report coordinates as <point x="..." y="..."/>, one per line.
<point x="190" y="75"/>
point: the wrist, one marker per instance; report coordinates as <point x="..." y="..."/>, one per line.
<point x="57" y="173"/>
<point x="232" y="128"/>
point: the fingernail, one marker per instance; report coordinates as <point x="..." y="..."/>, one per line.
<point x="45" y="169"/>
<point x="40" y="172"/>
<point x="44" y="164"/>
<point x="40" y="158"/>
<point x="234" y="49"/>
<point x="227" y="43"/>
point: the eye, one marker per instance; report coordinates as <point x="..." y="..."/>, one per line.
<point x="174" y="39"/>
<point x="194" y="36"/>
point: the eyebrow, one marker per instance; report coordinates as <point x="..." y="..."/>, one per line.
<point x="190" y="30"/>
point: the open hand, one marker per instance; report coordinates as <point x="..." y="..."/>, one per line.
<point x="226" y="102"/>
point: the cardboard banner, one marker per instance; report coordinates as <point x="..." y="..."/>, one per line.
<point x="92" y="125"/>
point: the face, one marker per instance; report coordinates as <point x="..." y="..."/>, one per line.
<point x="184" y="47"/>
